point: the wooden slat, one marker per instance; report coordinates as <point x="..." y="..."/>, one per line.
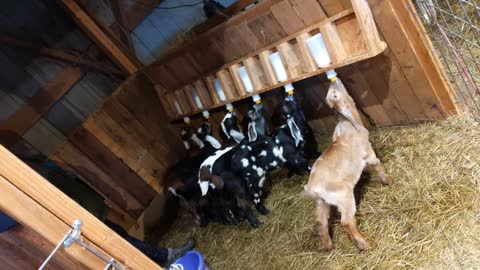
<point x="267" y="67"/>
<point x="165" y="103"/>
<point x="211" y="89"/>
<point x="36" y="106"/>
<point x="333" y="42"/>
<point x="236" y="79"/>
<point x="25" y="192"/>
<point x="351" y="34"/>
<point x="308" y="63"/>
<point x="267" y="24"/>
<point x="182" y="100"/>
<point x="203" y="93"/>
<point x="227" y="84"/>
<point x="188" y="93"/>
<point x="290" y="60"/>
<point x="255" y="72"/>
<point x="102" y="40"/>
<point x="367" y="25"/>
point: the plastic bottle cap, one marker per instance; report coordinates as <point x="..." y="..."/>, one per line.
<point x="331" y="75"/>
<point x="186" y="120"/>
<point x="288" y="87"/>
<point x="206" y="114"/>
<point x="229" y="107"/>
<point x="257" y="99"/>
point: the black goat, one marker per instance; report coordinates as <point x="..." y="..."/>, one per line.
<point x="283" y="149"/>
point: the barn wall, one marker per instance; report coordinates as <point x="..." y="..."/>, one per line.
<point x="124" y="149"/>
<point x="395" y="87"/>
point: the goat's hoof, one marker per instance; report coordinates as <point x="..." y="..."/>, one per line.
<point x="262" y="210"/>
<point x="329" y="248"/>
<point x="387" y="181"/>
<point x="362" y="244"/>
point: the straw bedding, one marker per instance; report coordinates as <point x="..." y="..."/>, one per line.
<point x="428" y="219"/>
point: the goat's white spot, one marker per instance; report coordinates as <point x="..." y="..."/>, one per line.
<point x="256" y="200"/>
<point x="278" y="152"/>
<point x="197" y="141"/>
<point x="274" y="163"/>
<point x="214" y="142"/>
<point x="224" y="128"/>
<point x="244" y="162"/>
<point x="260" y="171"/>
<point x="203" y="187"/>
<point x="249" y="148"/>
<point x="183" y="132"/>
<point x="256" y="195"/>
<point x="253" y="158"/>
<point x="248" y="174"/>
<point x="263" y="153"/>
<point x="243" y="147"/>
<point x="187" y="145"/>
<point x="212" y="185"/>
<point x="211" y="159"/>
<point x="199" y="130"/>
<point x="262" y="181"/>
<point x="266" y="142"/>
<point x="277" y="141"/>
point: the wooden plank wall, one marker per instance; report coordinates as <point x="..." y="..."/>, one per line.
<point x="399" y="86"/>
<point x="124" y="149"/>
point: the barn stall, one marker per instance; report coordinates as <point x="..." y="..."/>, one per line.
<point x="100" y="90"/>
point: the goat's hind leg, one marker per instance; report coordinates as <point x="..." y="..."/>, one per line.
<point x="374" y="164"/>
<point x="323" y="215"/>
<point x="347" y="209"/>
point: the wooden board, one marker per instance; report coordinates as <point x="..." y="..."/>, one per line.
<point x="36" y="106"/>
<point x="287" y="18"/>
<point x="29" y="193"/>
<point x="309" y="11"/>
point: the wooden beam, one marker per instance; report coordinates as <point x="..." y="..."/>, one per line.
<point x="60" y="55"/>
<point x="100" y="37"/>
<point x="33" y="201"/>
<point x="33" y="109"/>
<point x="230" y="11"/>
<point x="120" y="17"/>
<point x="33" y="215"/>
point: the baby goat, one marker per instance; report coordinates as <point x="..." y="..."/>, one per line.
<point x="335" y="173"/>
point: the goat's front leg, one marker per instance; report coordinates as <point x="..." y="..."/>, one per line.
<point x="323" y="214"/>
<point x="374" y="164"/>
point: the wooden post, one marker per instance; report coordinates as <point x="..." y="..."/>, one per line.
<point x="368" y="27"/>
<point x="267" y="67"/>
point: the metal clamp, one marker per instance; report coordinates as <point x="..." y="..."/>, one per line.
<point x="73" y="236"/>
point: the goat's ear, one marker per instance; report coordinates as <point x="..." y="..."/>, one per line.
<point x="345" y="112"/>
<point x="187" y="145"/>
<point x="295" y="131"/>
<point x="214" y="142"/>
<point x="217" y="182"/>
<point x="237" y="135"/>
<point x="252" y="132"/>
<point x="197" y="141"/>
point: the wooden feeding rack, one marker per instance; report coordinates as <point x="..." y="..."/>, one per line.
<point x="349" y="36"/>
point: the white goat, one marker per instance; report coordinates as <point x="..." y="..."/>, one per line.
<point x="335" y="173"/>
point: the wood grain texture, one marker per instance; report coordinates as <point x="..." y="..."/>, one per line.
<point x="48" y="203"/>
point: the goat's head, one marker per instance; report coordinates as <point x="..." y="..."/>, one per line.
<point x="295" y="118"/>
<point x="189" y="138"/>
<point x="204" y="133"/>
<point x="257" y="128"/>
<point x="339" y="99"/>
<point x="230" y="127"/>
<point x="189" y="195"/>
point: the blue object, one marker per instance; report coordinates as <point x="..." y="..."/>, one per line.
<point x="6" y="222"/>
<point x="192" y="260"/>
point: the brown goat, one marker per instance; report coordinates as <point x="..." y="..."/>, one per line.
<point x="335" y="173"/>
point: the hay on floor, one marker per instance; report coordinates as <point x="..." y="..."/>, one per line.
<point x="428" y="219"/>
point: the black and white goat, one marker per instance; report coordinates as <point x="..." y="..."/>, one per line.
<point x="282" y="149"/>
<point x="257" y="125"/>
<point x="230" y="128"/>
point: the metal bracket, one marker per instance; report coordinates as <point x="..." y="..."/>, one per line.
<point x="73" y="236"/>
